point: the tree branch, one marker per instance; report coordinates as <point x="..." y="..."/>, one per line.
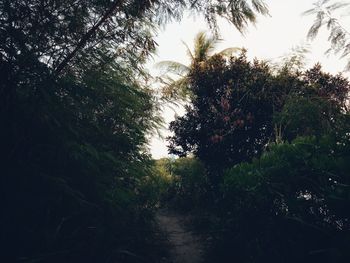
<point x="87" y="36"/>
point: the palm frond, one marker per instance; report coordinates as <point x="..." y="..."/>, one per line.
<point x="173" y="67"/>
<point x="188" y="50"/>
<point x="227" y="52"/>
<point x="203" y="46"/>
<point x="175" y="90"/>
<point x="179" y="89"/>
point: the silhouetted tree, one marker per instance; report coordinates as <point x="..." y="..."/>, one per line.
<point x="74" y="115"/>
<point x="239" y="107"/>
<point x="178" y="89"/>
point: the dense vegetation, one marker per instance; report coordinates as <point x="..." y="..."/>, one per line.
<point x="269" y="149"/>
<point x="238" y="107"/>
<point x="275" y="145"/>
<point x="72" y="137"/>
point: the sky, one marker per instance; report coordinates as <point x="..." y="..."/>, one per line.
<point x="271" y="38"/>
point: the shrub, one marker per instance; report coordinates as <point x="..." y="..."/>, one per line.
<point x="290" y="205"/>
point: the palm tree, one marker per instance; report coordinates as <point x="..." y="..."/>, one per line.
<point x="204" y="47"/>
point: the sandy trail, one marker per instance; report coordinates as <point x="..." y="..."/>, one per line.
<point x="186" y="247"/>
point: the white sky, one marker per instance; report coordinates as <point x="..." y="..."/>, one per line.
<point x="271" y="38"/>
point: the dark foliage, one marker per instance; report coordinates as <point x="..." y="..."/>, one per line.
<point x="238" y="107"/>
<point x="230" y="119"/>
<point x="285" y="138"/>
<point x="74" y="119"/>
<point x="189" y="185"/>
<point x="72" y="159"/>
<point x="73" y="133"/>
<point x="315" y="103"/>
<point x="290" y="205"/>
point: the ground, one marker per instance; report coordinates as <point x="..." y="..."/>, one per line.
<point x="185" y="246"/>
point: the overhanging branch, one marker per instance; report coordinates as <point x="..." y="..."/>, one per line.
<point x="87" y="36"/>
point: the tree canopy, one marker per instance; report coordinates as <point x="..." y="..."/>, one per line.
<point x="178" y="89"/>
<point x="77" y="182"/>
<point x="75" y="114"/>
<point x="239" y="107"/>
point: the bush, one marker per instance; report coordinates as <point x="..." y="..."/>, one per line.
<point x="182" y="182"/>
<point x="290" y="205"/>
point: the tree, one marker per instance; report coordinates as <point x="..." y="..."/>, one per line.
<point x="295" y="197"/>
<point x="75" y="122"/>
<point x="339" y="35"/>
<point x="74" y="116"/>
<point x="229" y="119"/>
<point x="204" y="47"/>
<point x="239" y="107"/>
<point x="71" y="172"/>
<point x="238" y="12"/>
<point x="316" y="109"/>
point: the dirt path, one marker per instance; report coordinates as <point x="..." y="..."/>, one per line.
<point x="186" y="247"/>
